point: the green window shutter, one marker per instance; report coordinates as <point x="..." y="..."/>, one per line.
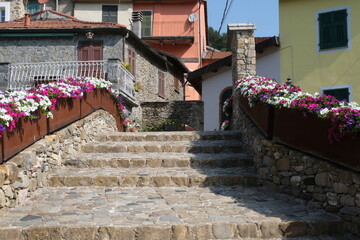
<point x="333" y="29"/>
<point x="340" y="28"/>
<point x="146" y="26"/>
<point x="325" y="30"/>
<point x="340" y="93"/>
<point x="109" y="13"/>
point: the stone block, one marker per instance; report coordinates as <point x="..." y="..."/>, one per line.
<point x="270" y="230"/>
<point x="224" y="230"/>
<point x="79" y="233"/>
<point x="8" y="191"/>
<point x="202" y="231"/>
<point x="353" y="211"/>
<point x="283" y="164"/>
<point x="11" y="234"/>
<point x="295" y="181"/>
<point x="357" y="199"/>
<point x="293" y="229"/>
<point x="43" y="233"/>
<point x="347" y="200"/>
<point x="249" y="230"/>
<point x="2" y="178"/>
<point x="181" y="232"/>
<point x="109" y="233"/>
<point x="154" y="232"/>
<point x="332" y="198"/>
<point x="2" y="199"/>
<point x="340" y="188"/>
<point x="322" y="179"/>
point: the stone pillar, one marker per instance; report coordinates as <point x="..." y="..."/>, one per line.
<point x="241" y="38"/>
<point x="113" y="72"/>
<point x="4" y="75"/>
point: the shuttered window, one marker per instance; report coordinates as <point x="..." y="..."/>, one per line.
<point x="146" y="25"/>
<point x="109" y="13"/>
<point x="132" y="61"/>
<point x="339" y="93"/>
<point x="333" y="29"/>
<point x="161" y="92"/>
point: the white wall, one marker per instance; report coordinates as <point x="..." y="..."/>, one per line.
<point x="93" y="12"/>
<point x="211" y="90"/>
<point x="268" y="65"/>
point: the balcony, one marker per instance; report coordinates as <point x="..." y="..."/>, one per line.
<point x="17" y="76"/>
<point x="171" y="32"/>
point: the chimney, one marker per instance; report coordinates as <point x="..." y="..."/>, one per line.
<point x="27" y="19"/>
<point x="137" y="18"/>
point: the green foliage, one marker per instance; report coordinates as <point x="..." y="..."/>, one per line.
<point x="127" y="66"/>
<point x="164" y="126"/>
<point x="216" y="40"/>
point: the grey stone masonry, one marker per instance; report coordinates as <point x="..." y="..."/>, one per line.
<point x="241" y="38"/>
<point x="320" y="183"/>
<point x="164" y="185"/>
<point x="185" y="112"/>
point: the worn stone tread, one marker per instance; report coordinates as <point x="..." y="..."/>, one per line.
<point x="204" y="146"/>
<point x="159" y="177"/>
<point x="172" y="213"/>
<point x="168" y="136"/>
<point x="153" y="160"/>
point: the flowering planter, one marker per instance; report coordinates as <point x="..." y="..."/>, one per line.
<point x="1" y="151"/>
<point x="67" y="111"/>
<point x="310" y="134"/>
<point x="27" y="131"/>
<point x="90" y="102"/>
<point x="261" y="114"/>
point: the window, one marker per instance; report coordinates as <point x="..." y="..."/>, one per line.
<point x="176" y="84"/>
<point x="4" y="11"/>
<point x="33" y="7"/>
<point x="161" y="92"/>
<point x="342" y="92"/>
<point x="333" y="29"/>
<point x="109" y="13"/>
<point x="132" y="60"/>
<point x="146" y="26"/>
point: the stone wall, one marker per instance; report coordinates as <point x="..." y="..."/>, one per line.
<point x="186" y="112"/>
<point x="28" y="170"/>
<point x="146" y="74"/>
<point x="321" y="183"/>
<point x="27" y="50"/>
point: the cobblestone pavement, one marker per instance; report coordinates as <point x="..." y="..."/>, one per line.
<point x="148" y="186"/>
<point x="226" y="209"/>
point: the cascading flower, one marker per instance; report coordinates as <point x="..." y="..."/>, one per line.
<point x="43" y="98"/>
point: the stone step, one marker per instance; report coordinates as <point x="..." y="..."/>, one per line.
<point x="164" y="213"/>
<point x="153" y="177"/>
<point x="165" y="160"/>
<point x="167" y="136"/>
<point x="203" y="146"/>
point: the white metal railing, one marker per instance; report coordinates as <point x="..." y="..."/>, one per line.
<point x="126" y="83"/>
<point x="24" y="75"/>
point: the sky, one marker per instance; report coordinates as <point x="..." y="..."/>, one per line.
<point x="263" y="13"/>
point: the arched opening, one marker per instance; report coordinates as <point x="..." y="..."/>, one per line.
<point x="225" y="94"/>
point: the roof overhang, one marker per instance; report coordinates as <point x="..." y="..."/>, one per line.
<point x="169" y="40"/>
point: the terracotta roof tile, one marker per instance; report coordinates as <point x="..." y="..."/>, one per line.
<point x="216" y="55"/>
<point x="261" y="39"/>
<point x="71" y="23"/>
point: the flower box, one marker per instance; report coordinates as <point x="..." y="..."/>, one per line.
<point x="67" y="111"/>
<point x="90" y="102"/>
<point x="310" y="134"/>
<point x="261" y="114"/>
<point x="1" y="151"/>
<point x="27" y="131"/>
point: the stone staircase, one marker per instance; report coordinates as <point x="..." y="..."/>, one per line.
<point x="171" y="185"/>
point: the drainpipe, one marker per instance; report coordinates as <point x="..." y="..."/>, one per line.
<point x="57" y="5"/>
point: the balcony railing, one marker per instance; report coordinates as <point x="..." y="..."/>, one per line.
<point x="172" y="28"/>
<point x="25" y="75"/>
